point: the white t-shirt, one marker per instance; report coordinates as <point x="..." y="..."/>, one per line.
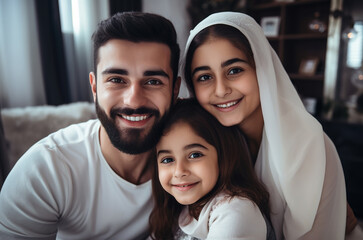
<point x="63" y="188"/>
<point x="225" y="218"/>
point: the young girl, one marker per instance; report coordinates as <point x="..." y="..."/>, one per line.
<point x="204" y="182"/>
<point x="235" y="75"/>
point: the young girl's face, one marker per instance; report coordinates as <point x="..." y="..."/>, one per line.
<point x="187" y="164"/>
<point x="225" y="83"/>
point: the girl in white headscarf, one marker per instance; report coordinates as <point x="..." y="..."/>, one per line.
<point x="235" y="74"/>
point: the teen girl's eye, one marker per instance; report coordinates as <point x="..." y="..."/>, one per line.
<point x="203" y="78"/>
<point x="235" y="71"/>
<point x="196" y="155"/>
<point x="166" y="160"/>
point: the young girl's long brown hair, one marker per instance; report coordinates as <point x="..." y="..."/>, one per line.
<point x="236" y="178"/>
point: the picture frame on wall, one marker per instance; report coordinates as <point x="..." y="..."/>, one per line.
<point x="270" y="26"/>
<point x="308" y="66"/>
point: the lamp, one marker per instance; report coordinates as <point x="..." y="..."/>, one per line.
<point x="316" y="25"/>
<point x="349" y="32"/>
<point x="357" y="78"/>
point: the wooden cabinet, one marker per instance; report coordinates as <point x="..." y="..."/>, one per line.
<point x="296" y="43"/>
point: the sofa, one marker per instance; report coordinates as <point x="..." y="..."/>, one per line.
<point x="22" y="127"/>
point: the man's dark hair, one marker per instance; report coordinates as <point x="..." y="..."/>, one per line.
<point x="138" y="27"/>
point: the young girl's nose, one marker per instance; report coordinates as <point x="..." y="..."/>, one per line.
<point x="181" y="170"/>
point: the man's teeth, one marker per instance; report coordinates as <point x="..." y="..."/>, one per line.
<point x="226" y="105"/>
<point x="135" y="118"/>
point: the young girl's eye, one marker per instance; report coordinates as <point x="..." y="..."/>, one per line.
<point x="203" y="78"/>
<point x="167" y="160"/>
<point x="196" y="155"/>
<point x="235" y="71"/>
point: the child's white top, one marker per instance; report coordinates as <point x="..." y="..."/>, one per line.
<point x="225" y="218"/>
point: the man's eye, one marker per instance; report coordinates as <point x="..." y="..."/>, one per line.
<point x="116" y="80"/>
<point x="167" y="160"/>
<point x="154" y="82"/>
<point x="235" y="71"/>
<point x="204" y="78"/>
<point x="196" y="155"/>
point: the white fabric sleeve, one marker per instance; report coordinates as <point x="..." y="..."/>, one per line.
<point x="331" y="213"/>
<point x="32" y="195"/>
<point x="237" y="218"/>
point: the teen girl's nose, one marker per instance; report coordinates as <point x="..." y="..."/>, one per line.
<point x="134" y="96"/>
<point x="221" y="87"/>
<point x="181" y="169"/>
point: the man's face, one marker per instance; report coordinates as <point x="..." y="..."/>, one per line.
<point x="133" y="92"/>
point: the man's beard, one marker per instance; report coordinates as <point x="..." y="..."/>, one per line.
<point x="131" y="140"/>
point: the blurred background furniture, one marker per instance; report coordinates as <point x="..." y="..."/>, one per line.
<point x="23" y="127"/>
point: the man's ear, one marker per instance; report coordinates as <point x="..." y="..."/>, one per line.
<point x="93" y="83"/>
<point x="176" y="88"/>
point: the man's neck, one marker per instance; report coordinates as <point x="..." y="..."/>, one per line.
<point x="132" y="168"/>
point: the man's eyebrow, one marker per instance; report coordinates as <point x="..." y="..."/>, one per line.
<point x="151" y="73"/>
<point x="115" y="71"/>
<point x="231" y="61"/>
<point x="202" y="68"/>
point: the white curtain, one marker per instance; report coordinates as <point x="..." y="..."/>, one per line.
<point x="79" y="19"/>
<point x="21" y="80"/>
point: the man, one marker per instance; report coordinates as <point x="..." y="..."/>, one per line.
<point x="92" y="180"/>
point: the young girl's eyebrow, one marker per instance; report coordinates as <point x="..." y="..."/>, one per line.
<point x="187" y="147"/>
<point x="194" y="145"/>
<point x="163" y="151"/>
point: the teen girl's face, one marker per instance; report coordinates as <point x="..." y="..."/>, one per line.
<point x="187" y="164"/>
<point x="225" y="83"/>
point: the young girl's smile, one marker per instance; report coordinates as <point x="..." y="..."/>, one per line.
<point x="187" y="164"/>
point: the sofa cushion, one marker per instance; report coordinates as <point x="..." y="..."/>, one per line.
<point x="25" y="126"/>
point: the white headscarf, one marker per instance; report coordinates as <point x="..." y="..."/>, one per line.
<point x="297" y="170"/>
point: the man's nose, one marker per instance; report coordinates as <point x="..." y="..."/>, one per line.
<point x="134" y="96"/>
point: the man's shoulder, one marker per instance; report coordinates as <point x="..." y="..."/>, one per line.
<point x="76" y="141"/>
<point x="72" y="134"/>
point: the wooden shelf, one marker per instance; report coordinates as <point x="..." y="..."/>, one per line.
<point x="303" y="36"/>
<point x="261" y="5"/>
<point x="296" y="42"/>
<point x="296" y="76"/>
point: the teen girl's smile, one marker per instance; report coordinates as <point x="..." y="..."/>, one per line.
<point x="187" y="164"/>
<point x="228" y="106"/>
<point x="225" y="82"/>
